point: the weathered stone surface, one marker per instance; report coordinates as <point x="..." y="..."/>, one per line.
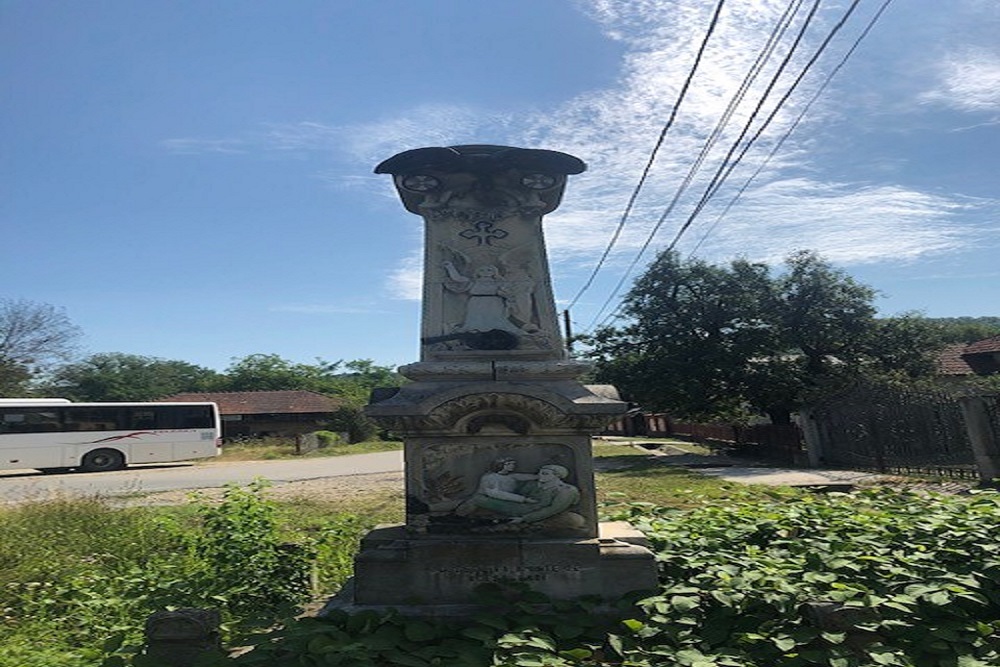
<point x="496" y="425"/>
<point x="179" y="638"/>
<point x="394" y="569"/>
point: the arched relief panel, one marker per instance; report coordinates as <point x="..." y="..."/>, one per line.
<point x="518" y="412"/>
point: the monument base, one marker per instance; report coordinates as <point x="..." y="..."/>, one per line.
<point x="436" y="576"/>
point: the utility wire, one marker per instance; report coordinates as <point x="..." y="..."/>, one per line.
<point x="652" y="156"/>
<point x="725" y="170"/>
<point x="670" y="207"/>
<point x="857" y="42"/>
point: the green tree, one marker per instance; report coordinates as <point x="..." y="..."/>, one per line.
<point x="966" y="329"/>
<point x="269" y="372"/>
<point x="692" y="329"/>
<point x="14" y="379"/>
<point x="117" y="376"/>
<point x="350" y="380"/>
<point x="33" y="337"/>
<point x="704" y="341"/>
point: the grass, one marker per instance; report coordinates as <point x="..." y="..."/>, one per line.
<point x="630" y="474"/>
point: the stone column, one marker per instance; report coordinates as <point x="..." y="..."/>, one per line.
<point x="496" y="426"/>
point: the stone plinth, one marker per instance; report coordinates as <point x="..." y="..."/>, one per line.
<point x="438" y="576"/>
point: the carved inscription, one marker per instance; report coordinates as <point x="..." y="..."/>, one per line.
<point x="485" y="574"/>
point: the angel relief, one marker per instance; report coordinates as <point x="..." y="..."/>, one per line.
<point x="493" y="296"/>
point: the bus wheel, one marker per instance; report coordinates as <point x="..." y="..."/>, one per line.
<point x="102" y="460"/>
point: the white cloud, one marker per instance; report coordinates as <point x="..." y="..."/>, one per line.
<point x="322" y="309"/>
<point x="406" y="282"/>
<point x="197" y="146"/>
<point x="968" y="80"/>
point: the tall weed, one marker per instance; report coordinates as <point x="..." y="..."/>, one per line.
<point x="73" y="572"/>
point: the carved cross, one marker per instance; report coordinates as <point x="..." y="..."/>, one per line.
<point x="483" y="233"/>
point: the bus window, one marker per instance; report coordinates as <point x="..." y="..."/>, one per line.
<point x="142" y="419"/>
<point x="196" y="416"/>
<point x="92" y="419"/>
<point x="29" y="420"/>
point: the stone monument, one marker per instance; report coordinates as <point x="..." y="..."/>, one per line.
<point x="496" y="426"/>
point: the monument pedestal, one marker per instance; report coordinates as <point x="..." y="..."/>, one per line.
<point x="438" y="576"/>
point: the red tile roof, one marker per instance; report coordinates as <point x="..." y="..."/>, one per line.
<point x="263" y="402"/>
<point x="950" y="361"/>
<point x="965" y="359"/>
<point x="991" y="344"/>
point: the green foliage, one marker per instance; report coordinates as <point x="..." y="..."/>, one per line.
<point x="965" y="329"/>
<point x="792" y="579"/>
<point x="246" y="564"/>
<point x="910" y="580"/>
<point x="352" y="421"/>
<point x="352" y="381"/>
<point x="14" y="379"/>
<point x="127" y="377"/>
<point x="704" y="341"/>
<point x="75" y="571"/>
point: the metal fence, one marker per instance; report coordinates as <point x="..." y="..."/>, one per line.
<point x="894" y="431"/>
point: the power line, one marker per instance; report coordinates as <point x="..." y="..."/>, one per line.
<point x="864" y="33"/>
<point x="652" y="156"/>
<point x="725" y="170"/>
<point x="670" y="207"/>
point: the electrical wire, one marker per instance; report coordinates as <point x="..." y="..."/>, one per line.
<point x="746" y="127"/>
<point x="781" y="142"/>
<point x="652" y="156"/>
<point x="726" y="169"/>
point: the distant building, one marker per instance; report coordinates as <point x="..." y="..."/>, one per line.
<point x="267" y="413"/>
<point x="966" y="359"/>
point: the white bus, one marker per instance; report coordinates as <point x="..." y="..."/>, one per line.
<point x="54" y="435"/>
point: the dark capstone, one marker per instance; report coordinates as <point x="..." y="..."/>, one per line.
<point x="481" y="158"/>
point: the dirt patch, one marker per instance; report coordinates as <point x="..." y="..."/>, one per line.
<point x="348" y="487"/>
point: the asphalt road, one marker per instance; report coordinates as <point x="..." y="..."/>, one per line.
<point x="19" y="485"/>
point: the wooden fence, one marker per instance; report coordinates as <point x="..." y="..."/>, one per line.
<point x="779" y="443"/>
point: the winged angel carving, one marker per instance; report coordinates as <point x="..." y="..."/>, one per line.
<point x="496" y="292"/>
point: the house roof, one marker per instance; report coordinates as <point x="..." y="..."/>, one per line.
<point x="262" y="402"/>
<point x="950" y="361"/>
<point x="991" y="344"/>
<point x="968" y="358"/>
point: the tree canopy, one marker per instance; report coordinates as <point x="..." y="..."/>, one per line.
<point x="716" y="341"/>
<point x="33" y="337"/>
<point x="117" y="376"/>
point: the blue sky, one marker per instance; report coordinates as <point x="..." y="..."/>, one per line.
<point x="193" y="180"/>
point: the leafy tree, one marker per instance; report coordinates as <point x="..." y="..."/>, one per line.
<point x="704" y="341"/>
<point x="116" y="376"/>
<point x="33" y="336"/>
<point x="14" y="379"/>
<point x="966" y="329"/>
<point x="351" y="380"/>
<point x="689" y="321"/>
<point x="269" y="372"/>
